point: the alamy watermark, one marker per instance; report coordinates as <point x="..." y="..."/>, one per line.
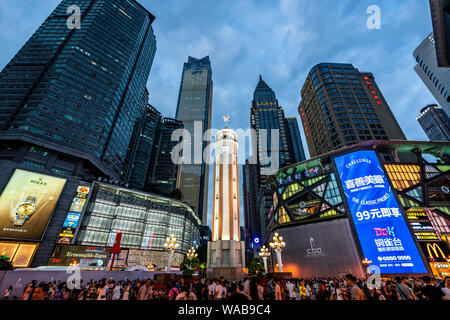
<point x="374" y="20"/>
<point x="74" y="20"/>
<point x="197" y="147"/>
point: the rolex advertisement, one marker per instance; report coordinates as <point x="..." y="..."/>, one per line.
<point x="27" y="204"/>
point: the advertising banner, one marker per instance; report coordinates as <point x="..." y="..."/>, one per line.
<point x="27" y="204"/>
<point x="73" y="217"/>
<point x="65" y="255"/>
<point x="382" y="231"/>
<point x="436" y="251"/>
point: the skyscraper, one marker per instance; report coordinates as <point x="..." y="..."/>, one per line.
<point x="440" y="14"/>
<point x="163" y="173"/>
<point x="77" y="92"/>
<point x="295" y="141"/>
<point x="435" y="122"/>
<point x="341" y="106"/>
<point x="267" y="115"/>
<point x="194" y="110"/>
<point x="141" y="147"/>
<point x="251" y="187"/>
<point x="435" y="78"/>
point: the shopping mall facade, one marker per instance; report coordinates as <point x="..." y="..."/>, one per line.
<point x="49" y="218"/>
<point x="376" y="206"/>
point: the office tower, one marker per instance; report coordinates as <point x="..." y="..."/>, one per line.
<point x="141" y="147"/>
<point x="435" y="122"/>
<point x="251" y="186"/>
<point x="435" y="78"/>
<point x="440" y="14"/>
<point x="194" y="110"/>
<point x="267" y="115"/>
<point x="295" y="141"/>
<point x="77" y="92"/>
<point x="341" y="106"/>
<point x="163" y="174"/>
<point x="226" y="249"/>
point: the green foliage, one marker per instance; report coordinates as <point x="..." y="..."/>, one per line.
<point x="189" y="266"/>
<point x="5" y="264"/>
<point x="256" y="268"/>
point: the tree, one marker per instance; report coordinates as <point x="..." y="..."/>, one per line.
<point x="189" y="266"/>
<point x="4" y="263"/>
<point x="256" y="268"/>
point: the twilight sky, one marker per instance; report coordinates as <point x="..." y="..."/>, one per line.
<point x="282" y="40"/>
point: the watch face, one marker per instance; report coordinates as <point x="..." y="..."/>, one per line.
<point x="23" y="212"/>
<point x="25" y="209"/>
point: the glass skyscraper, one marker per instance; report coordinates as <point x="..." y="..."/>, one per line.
<point x="266" y="114"/>
<point x="341" y="106"/>
<point x="435" y="78"/>
<point x="163" y="174"/>
<point x="295" y="141"/>
<point x="435" y="122"/>
<point x="141" y="147"/>
<point x="440" y="14"/>
<point x="78" y="91"/>
<point x="194" y="110"/>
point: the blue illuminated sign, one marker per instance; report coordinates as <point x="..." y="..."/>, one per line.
<point x="382" y="231"/>
<point x="256" y="240"/>
<point x="72" y="220"/>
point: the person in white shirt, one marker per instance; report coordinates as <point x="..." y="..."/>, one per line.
<point x="219" y="292"/>
<point x="290" y="288"/>
<point x="308" y="291"/>
<point x="117" y="291"/>
<point x="247" y="287"/>
<point x="446" y="289"/>
<point x="260" y="291"/>
<point x="212" y="290"/>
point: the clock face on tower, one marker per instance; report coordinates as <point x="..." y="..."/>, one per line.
<point x="226" y="149"/>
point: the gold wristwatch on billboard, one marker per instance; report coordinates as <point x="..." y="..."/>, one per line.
<point x="25" y="210"/>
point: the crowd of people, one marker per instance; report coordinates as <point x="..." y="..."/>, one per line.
<point x="348" y="288"/>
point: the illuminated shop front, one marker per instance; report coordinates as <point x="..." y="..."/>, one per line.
<point x="390" y="198"/>
<point x="144" y="220"/>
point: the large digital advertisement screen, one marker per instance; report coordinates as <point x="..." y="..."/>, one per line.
<point x="382" y="231"/>
<point x="27" y="204"/>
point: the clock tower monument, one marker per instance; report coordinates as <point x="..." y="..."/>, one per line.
<point x="226" y="251"/>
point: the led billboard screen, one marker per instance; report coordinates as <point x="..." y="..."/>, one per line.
<point x="27" y="204"/>
<point x="382" y="230"/>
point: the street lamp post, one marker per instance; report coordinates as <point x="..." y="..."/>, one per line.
<point x="277" y="245"/>
<point x="264" y="254"/>
<point x="191" y="254"/>
<point x="171" y="245"/>
<point x="366" y="262"/>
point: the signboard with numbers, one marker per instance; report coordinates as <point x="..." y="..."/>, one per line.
<point x="382" y="231"/>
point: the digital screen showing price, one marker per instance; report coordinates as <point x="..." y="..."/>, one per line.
<point x="382" y="231"/>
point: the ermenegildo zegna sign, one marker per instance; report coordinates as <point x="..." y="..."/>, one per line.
<point x="64" y="255"/>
